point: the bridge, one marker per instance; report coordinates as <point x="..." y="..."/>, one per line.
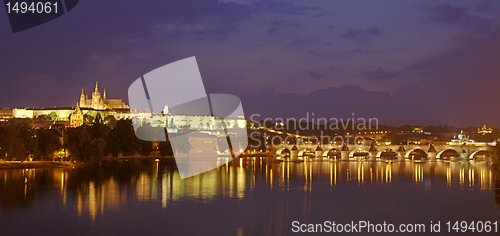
<point x="452" y="152"/>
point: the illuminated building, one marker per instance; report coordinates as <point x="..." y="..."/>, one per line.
<point x="484" y="130"/>
<point x="5" y="113"/>
<point x="76" y="118"/>
<point x="94" y="105"/>
<point x="98" y="102"/>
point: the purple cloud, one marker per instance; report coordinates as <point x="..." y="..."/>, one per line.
<point x="381" y="74"/>
<point x="315" y="75"/>
<point x="361" y="33"/>
<point x="450" y="14"/>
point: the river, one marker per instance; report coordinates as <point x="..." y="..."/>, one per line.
<point x="249" y="197"/>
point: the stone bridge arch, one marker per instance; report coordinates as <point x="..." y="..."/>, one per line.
<point x="387" y="153"/>
<point x="417" y="153"/>
<point x="448" y="153"/>
<point x="283" y="153"/>
<point x="332" y="153"/>
<point x="306" y="152"/>
<point x="481" y="155"/>
<point x="359" y="153"/>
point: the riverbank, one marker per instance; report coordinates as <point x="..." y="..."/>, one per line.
<point x="35" y="164"/>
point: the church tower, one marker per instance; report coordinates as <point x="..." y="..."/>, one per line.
<point x="96" y="98"/>
<point x="83" y="98"/>
<point x="98" y="101"/>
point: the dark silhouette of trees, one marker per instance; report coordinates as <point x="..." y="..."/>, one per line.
<point x="145" y="148"/>
<point x="48" y="143"/>
<point x="77" y="141"/>
<point x="98" y="119"/>
<point x="85" y="143"/>
<point x="88" y="143"/>
<point x="110" y="121"/>
<point x="122" y="139"/>
<point x="165" y="148"/>
<point x="97" y="148"/>
<point x="17" y="141"/>
<point x="88" y="119"/>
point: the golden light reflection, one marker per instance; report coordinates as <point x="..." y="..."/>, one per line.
<point x="419" y="173"/>
<point x="164" y="190"/>
<point x="471" y="178"/>
<point x="388" y="173"/>
<point x="92" y="202"/>
<point x="448" y="177"/>
<point x="160" y="185"/>
<point x="462" y="177"/>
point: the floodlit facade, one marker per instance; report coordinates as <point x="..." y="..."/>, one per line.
<point x="100" y="102"/>
<point x="92" y="105"/>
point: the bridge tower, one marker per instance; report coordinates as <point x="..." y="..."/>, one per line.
<point x="344" y="153"/>
<point x="401" y="152"/>
<point x="432" y="153"/>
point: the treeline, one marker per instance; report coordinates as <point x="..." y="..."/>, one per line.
<point x="19" y="141"/>
<point x="94" y="142"/>
<point x="85" y="143"/>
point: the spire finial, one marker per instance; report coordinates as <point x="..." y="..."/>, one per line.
<point x="96" y="86"/>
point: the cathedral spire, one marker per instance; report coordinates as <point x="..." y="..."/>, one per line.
<point x="96" y="87"/>
<point x="104" y="95"/>
<point x="83" y="97"/>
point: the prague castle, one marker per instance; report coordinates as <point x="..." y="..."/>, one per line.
<point x="98" y="102"/>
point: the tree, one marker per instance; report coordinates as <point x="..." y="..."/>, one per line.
<point x="98" y="119"/>
<point x="43" y="117"/>
<point x="113" y="141"/>
<point x="97" y="148"/>
<point x="145" y="147"/>
<point x="77" y="142"/>
<point x="99" y="130"/>
<point x="17" y="141"/>
<point x="9" y="138"/>
<point x="165" y="148"/>
<point x="29" y="139"/>
<point x="48" y="142"/>
<point x="88" y="119"/>
<point x="122" y="139"/>
<point x="53" y="116"/>
<point x="110" y="121"/>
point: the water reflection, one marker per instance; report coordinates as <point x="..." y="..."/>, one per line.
<point x="92" y="192"/>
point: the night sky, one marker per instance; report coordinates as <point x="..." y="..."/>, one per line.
<point x="405" y="62"/>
